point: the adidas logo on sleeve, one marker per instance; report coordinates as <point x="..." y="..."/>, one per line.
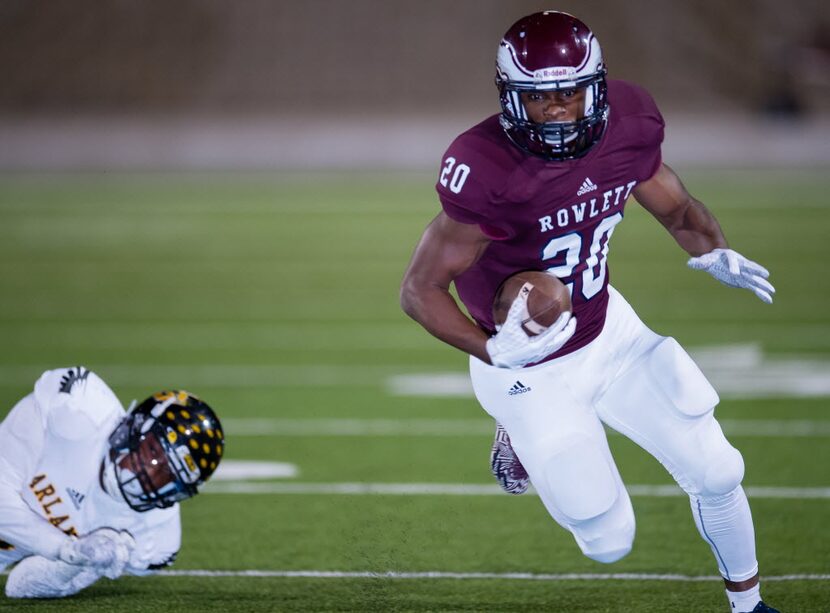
<point x="517" y="388"/>
<point x="76" y="497"/>
<point x="587" y="186"/>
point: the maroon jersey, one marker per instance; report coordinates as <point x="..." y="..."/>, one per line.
<point x="556" y="216"/>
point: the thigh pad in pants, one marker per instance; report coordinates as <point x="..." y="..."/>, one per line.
<point x="578" y="480"/>
<point x="678" y="377"/>
<point x="665" y="376"/>
<point x="665" y="404"/>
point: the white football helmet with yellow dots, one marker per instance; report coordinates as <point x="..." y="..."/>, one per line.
<point x="163" y="450"/>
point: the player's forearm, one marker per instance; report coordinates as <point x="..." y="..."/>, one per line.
<point x="25" y="529"/>
<point x="696" y="230"/>
<point x="436" y="310"/>
<point x="690" y="223"/>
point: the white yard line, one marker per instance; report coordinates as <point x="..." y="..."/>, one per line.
<point x="239" y="470"/>
<point x="322" y="574"/>
<point x="462" y="489"/>
<point x="434" y="574"/>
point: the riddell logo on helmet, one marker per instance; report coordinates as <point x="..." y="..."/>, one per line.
<point x="546" y="73"/>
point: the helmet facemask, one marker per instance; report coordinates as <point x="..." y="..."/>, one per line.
<point x="161" y="452"/>
<point x="545" y="52"/>
<point x="555" y="140"/>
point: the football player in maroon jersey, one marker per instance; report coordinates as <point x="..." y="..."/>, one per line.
<point x="542" y="186"/>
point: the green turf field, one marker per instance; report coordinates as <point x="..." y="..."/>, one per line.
<point x="275" y="299"/>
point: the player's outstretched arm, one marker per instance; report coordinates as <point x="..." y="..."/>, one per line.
<point x="447" y="248"/>
<point x="690" y="223"/>
<point x="697" y="231"/>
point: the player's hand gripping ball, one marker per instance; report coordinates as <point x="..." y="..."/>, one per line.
<point x="547" y="299"/>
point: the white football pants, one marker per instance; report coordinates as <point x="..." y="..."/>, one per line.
<point x="646" y="387"/>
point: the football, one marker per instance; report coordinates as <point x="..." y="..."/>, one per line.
<point x="547" y="298"/>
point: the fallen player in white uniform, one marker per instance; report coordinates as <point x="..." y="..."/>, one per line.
<point x="89" y="491"/>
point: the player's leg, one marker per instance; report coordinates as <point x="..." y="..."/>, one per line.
<point x="9" y="554"/>
<point x="505" y="464"/>
<point x="664" y="403"/>
<point x="562" y="445"/>
<point x="37" y="577"/>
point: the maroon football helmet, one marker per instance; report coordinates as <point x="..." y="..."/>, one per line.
<point x="551" y="51"/>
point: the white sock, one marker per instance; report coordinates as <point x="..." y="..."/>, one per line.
<point x="744" y="602"/>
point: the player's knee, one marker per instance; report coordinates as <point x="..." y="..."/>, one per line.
<point x="724" y="472"/>
<point x="607" y="538"/>
<point x="710" y="466"/>
<point x="18" y="584"/>
<point x="610" y="556"/>
<point x="13" y="590"/>
<point x="585" y="488"/>
<point x="610" y="550"/>
<point x="37" y="577"/>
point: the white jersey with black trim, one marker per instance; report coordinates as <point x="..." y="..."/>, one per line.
<point x="51" y="447"/>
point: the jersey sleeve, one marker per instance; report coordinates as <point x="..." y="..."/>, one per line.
<point x="646" y="128"/>
<point x="21" y="445"/>
<point x="461" y="199"/>
<point x="472" y="175"/>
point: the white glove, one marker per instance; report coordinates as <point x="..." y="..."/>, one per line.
<point x="731" y="268"/>
<point x="106" y="549"/>
<point x="511" y="347"/>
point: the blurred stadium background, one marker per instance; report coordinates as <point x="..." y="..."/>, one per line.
<point x="222" y="196"/>
<point x="214" y="84"/>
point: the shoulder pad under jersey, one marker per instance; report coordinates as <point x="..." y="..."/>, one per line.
<point x="76" y="402"/>
<point x="474" y="171"/>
